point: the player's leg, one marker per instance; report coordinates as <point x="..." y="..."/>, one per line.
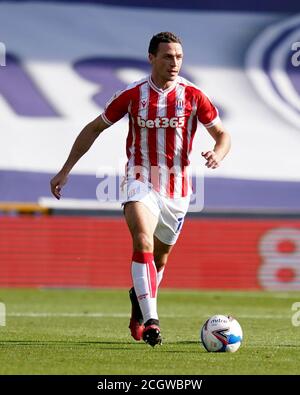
<point x="142" y="223"/>
<point x="167" y="231"/>
<point x="161" y="255"/>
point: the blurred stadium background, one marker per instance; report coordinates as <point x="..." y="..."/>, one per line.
<point x="60" y="63"/>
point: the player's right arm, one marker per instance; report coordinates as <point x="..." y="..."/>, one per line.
<point x="114" y="110"/>
<point x="81" y="145"/>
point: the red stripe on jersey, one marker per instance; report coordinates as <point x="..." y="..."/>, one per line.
<point x="152" y="133"/>
<point x="129" y="138"/>
<point x="185" y="183"/>
<point x="170" y="141"/>
<point x="137" y="154"/>
<point x="131" y="145"/>
<point x="152" y="140"/>
<point x="184" y="152"/>
<point x="137" y="131"/>
<point x="194" y="128"/>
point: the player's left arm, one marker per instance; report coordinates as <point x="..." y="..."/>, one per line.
<point x="221" y="148"/>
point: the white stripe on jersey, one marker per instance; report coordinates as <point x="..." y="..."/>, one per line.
<point x="105" y="119"/>
<point x="143" y="113"/>
<point x="179" y="112"/>
<point x="161" y="143"/>
<point x="131" y="148"/>
<point x="213" y="123"/>
<point x="190" y="124"/>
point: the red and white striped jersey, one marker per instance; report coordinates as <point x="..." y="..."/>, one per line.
<point x="162" y="125"/>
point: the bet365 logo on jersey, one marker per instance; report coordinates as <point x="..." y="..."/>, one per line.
<point x="163" y="122"/>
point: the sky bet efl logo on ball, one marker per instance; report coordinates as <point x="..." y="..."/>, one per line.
<point x="273" y="66"/>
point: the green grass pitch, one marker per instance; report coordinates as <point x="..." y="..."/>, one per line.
<point x="86" y="332"/>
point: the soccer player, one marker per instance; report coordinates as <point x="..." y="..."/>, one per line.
<point x="163" y="110"/>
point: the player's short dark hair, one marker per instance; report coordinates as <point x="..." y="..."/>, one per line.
<point x="163" y="37"/>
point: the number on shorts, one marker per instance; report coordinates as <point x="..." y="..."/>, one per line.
<point x="179" y="226"/>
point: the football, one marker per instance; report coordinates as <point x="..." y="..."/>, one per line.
<point x="221" y="333"/>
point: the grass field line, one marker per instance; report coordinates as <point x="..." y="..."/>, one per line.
<point x="123" y="315"/>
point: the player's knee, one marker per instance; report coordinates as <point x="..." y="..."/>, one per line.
<point x="143" y="242"/>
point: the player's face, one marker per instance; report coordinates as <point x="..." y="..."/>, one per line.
<point x="167" y="62"/>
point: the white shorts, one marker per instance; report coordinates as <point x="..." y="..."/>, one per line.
<point x="169" y="212"/>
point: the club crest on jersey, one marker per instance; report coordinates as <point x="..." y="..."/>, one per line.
<point x="161" y="122"/>
<point x="273" y="64"/>
<point x="179" y="105"/>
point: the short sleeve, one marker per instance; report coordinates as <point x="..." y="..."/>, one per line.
<point x="207" y="113"/>
<point x="116" y="107"/>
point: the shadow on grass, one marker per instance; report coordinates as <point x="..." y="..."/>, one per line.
<point x="59" y="342"/>
<point x="84" y="343"/>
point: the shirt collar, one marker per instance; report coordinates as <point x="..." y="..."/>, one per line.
<point x="160" y="90"/>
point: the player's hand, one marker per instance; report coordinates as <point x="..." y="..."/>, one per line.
<point x="57" y="183"/>
<point x="212" y="159"/>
